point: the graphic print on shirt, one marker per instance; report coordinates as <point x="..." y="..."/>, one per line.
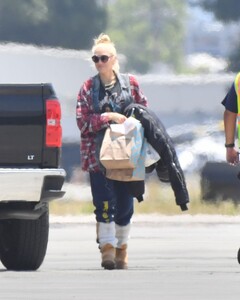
<point x="110" y="100"/>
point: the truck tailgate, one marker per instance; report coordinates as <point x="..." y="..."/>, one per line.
<point x="22" y="120"/>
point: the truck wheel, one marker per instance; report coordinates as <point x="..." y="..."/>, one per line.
<point x="238" y="256"/>
<point x="220" y="181"/>
<point x="23" y="243"/>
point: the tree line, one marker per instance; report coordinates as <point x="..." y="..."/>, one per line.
<point x="58" y="23"/>
<point x="225" y="11"/>
<point x="147" y="32"/>
<point x="156" y="24"/>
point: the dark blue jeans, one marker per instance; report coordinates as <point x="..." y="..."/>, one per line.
<point x="111" y="199"/>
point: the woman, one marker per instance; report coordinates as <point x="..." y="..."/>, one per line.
<point x="101" y="101"/>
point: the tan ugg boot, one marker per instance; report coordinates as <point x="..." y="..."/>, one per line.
<point x="121" y="258"/>
<point x="107" y="242"/>
<point x="108" y="257"/>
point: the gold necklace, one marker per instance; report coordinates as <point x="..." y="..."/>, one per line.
<point x="110" y="85"/>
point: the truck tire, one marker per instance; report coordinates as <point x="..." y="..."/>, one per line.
<point x="220" y="181"/>
<point x="238" y="256"/>
<point x="23" y="243"/>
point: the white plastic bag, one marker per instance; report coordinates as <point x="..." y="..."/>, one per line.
<point x="151" y="155"/>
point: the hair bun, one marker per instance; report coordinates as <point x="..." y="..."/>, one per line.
<point x="102" y="38"/>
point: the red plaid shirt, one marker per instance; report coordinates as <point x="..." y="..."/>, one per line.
<point x="89" y="122"/>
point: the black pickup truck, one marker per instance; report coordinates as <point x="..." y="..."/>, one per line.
<point x="30" y="176"/>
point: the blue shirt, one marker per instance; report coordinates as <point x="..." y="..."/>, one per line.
<point x="230" y="100"/>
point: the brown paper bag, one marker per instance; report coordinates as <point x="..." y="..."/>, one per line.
<point x="130" y="174"/>
<point x="121" y="146"/>
<point x="122" y="175"/>
<point x="115" y="151"/>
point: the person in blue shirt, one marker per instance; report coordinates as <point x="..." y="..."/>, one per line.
<point x="230" y="120"/>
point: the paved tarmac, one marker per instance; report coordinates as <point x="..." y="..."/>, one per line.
<point x="179" y="257"/>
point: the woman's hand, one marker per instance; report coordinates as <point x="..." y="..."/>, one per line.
<point x="116" y="117"/>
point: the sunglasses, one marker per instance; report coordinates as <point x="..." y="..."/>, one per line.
<point x="103" y="58"/>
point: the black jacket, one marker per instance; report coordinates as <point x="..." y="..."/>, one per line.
<point x="168" y="168"/>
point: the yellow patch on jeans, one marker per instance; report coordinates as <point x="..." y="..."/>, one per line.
<point x="105" y="210"/>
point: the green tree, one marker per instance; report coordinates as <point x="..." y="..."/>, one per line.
<point x="62" y="23"/>
<point x="148" y="32"/>
<point x="225" y="11"/>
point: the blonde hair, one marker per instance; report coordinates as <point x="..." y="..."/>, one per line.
<point x="104" y="39"/>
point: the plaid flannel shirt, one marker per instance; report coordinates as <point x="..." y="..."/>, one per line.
<point x="89" y="122"/>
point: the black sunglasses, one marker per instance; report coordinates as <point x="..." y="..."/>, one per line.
<point x="103" y="58"/>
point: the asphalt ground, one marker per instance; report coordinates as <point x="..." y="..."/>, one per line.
<point x="178" y="257"/>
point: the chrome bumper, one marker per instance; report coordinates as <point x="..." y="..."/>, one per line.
<point x="31" y="184"/>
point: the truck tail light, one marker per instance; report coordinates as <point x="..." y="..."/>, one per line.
<point x="53" y="123"/>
